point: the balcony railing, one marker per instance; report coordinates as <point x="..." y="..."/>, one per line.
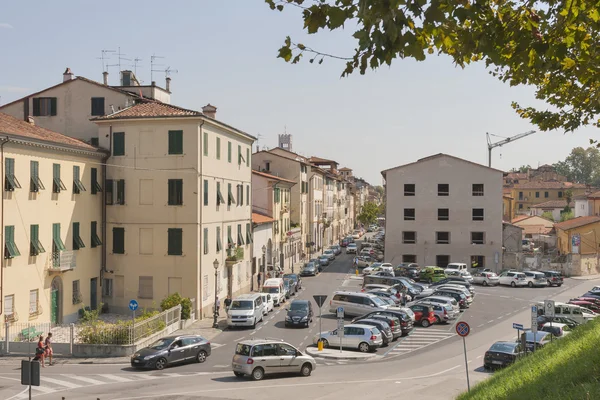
<point x="59" y="261"/>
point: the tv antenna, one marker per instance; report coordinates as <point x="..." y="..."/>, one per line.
<point x="104" y="57"/>
<point x="135" y="64"/>
<point x="153" y="59"/>
<point x="120" y="57"/>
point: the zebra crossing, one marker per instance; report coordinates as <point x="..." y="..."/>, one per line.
<point x="418" y="339"/>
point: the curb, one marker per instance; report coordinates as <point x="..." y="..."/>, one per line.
<point x="360" y="356"/>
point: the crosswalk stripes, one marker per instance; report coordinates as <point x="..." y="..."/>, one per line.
<point x="330" y="362"/>
<point x="418" y="339"/>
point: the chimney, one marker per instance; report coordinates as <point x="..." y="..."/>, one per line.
<point x="105" y="77"/>
<point x="209" y="110"/>
<point x="68" y="75"/>
<point x="257" y="148"/>
<point x="168" y="84"/>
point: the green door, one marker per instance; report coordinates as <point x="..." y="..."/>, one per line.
<point x="54" y="306"/>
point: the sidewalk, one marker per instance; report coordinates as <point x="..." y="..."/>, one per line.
<point x="586" y="277"/>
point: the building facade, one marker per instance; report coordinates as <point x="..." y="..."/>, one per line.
<point x="262" y="226"/>
<point x="443" y="209"/>
<point x="530" y="194"/>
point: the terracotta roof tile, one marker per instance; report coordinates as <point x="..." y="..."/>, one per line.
<point x="345" y="169"/>
<point x="320" y="160"/>
<point x="150" y="110"/>
<point x="553" y="204"/>
<point x="18" y="128"/>
<point x="520" y="218"/>
<point x="261" y="219"/>
<point x="594" y="195"/>
<point x="550" y="185"/>
<point x="577" y="222"/>
<point x="536" y="229"/>
<point x="270" y="176"/>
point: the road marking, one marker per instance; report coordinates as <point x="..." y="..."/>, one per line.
<point x="508" y="314"/>
<point x="489" y="322"/>
<point x="479" y="326"/>
<point x="301" y="343"/>
<point x="142" y="376"/>
<point x="61" y="383"/>
<point x="305" y="337"/>
<point x="252" y="333"/>
<point x="499" y="318"/>
<point x="116" y="378"/>
<point x="83" y="379"/>
<point x="259" y="328"/>
<point x="220" y="366"/>
<point x="478" y="357"/>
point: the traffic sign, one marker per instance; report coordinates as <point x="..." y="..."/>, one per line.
<point x="517" y="326"/>
<point x="133" y="305"/>
<point x="340" y="312"/>
<point x="534" y="317"/>
<point x="320" y="299"/>
<point x="549" y="308"/>
<point x="463" y="329"/>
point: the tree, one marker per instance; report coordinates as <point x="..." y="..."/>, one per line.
<point x="380" y="190"/>
<point x="548" y="215"/>
<point x="581" y="166"/>
<point x="565" y="216"/>
<point x="551" y="45"/>
<point x="369" y="213"/>
<point x="522" y="169"/>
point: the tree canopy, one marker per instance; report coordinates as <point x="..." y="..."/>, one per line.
<point x="551" y="45"/>
<point x="581" y="166"/>
<point x="369" y="213"/>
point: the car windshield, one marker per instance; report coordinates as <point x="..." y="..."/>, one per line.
<point x="438" y="272"/>
<point x="503" y="347"/>
<point x="378" y="301"/>
<point x="241" y="305"/>
<point x="310" y="266"/>
<point x="270" y="290"/>
<point x="243" y="350"/>
<point x="161" y="344"/>
<point x="298" y="306"/>
<point x="328" y="252"/>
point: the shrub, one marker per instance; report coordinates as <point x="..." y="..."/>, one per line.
<point x="174" y="300"/>
<point x="100" y="332"/>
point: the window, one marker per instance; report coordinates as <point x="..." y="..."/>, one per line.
<point x="94" y="141"/>
<point x="10" y="248"/>
<point x="277" y="194"/>
<point x="239" y="154"/>
<point x="107" y="287"/>
<point x="477" y="262"/>
<point x="175" y="142"/>
<point x="443" y="214"/>
<point x="442" y="261"/>
<point x="537" y="195"/>
<point x="118" y="143"/>
<point x="218" y="147"/>
<point x="77" y="184"/>
<point x="409" y="237"/>
<point x="477" y="237"/>
<point x="205" y="144"/>
<point x="409" y="258"/>
<point x="35" y="184"/>
<point x="176" y="192"/>
<point x="478" y="214"/>
<point x="205" y="240"/>
<point x="94" y="182"/>
<point x="57" y="183"/>
<point x="520" y="206"/>
<point x="120" y="192"/>
<point x="77" y="242"/>
<point x="247" y="195"/>
<point x="9" y="305"/>
<point x="247" y="157"/>
<point x="240" y="195"/>
<point x="478" y="189"/>
<point x="520" y="195"/>
<point x="220" y="199"/>
<point x="409" y="189"/>
<point x="546" y="194"/>
<point x="109" y="191"/>
<point x="10" y="180"/>
<point x="175" y="242"/>
<point x="57" y="243"/>
<point x="560" y="195"/>
<point x="267" y="166"/>
<point x="118" y="241"/>
<point x="76" y="295"/>
<point x="145" y="287"/>
<point x="442" y="237"/>
<point x="249" y="238"/>
<point x="219" y="245"/>
<point x="443" y="189"/>
<point x="33" y="302"/>
<point x="44" y="106"/>
<point x="230" y="199"/>
<point x="94" y="239"/>
<point x="240" y="237"/>
<point x="205" y="194"/>
<point x="230" y="242"/>
<point x="229" y="152"/>
<point x="409" y="214"/>
<point x="35" y="246"/>
<point x="97" y="106"/>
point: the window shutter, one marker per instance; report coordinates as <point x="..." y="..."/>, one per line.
<point x="205" y="192"/>
<point x="228" y="151"/>
<point x="219" y="239"/>
<point x="247" y="195"/>
<point x="36" y="107"/>
<point x="205" y="143"/>
<point x="53" y="106"/>
<point x="247" y="157"/>
<point x="218" y="148"/>
<point x="205" y="240"/>
<point x="239" y="155"/>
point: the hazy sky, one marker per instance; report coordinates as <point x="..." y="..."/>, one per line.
<point x="225" y="53"/>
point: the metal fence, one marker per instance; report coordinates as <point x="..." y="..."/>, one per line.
<point x="155" y="324"/>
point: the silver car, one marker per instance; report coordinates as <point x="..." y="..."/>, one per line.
<point x="444" y="313"/>
<point x="536" y="279"/>
<point x="365" y="338"/>
<point x="261" y="357"/>
<point x="486" y="278"/>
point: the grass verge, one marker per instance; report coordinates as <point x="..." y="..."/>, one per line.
<point x="568" y="368"/>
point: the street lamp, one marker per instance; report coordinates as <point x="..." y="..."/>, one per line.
<point x="216" y="265"/>
<point x="264" y="264"/>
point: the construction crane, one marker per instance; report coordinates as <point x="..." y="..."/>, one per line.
<point x="503" y="142"/>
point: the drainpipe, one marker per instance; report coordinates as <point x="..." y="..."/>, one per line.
<point x="104" y="225"/>
<point x="199" y="277"/>
<point x="3" y="140"/>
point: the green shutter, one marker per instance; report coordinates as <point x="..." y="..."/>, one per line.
<point x="36" y="107"/>
<point x="10" y="180"/>
<point x="175" y="241"/>
<point x="219" y="245"/>
<point x="35" y="184"/>
<point x="57" y="184"/>
<point x="247" y="195"/>
<point x="35" y="247"/>
<point x="218" y="147"/>
<point x="228" y="151"/>
<point x="175" y="142"/>
<point x="205" y="192"/>
<point x="94" y="239"/>
<point x="239" y="154"/>
<point x="229" y="238"/>
<point x="247" y="157"/>
<point x="118" y="240"/>
<point x="230" y="198"/>
<point x="205" y="240"/>
<point x="77" y="241"/>
<point x="205" y="143"/>
<point x="56" y="240"/>
<point x="53" y="106"/>
<point x="240" y="237"/>
<point x="241" y="191"/>
<point x="249" y="238"/>
<point x="220" y="199"/>
<point x="10" y="248"/>
<point x="277" y="195"/>
<point x="77" y="184"/>
<point x="118" y="143"/>
<point x="175" y="192"/>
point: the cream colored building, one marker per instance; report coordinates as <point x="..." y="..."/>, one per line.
<point x="444" y="209"/>
<point x="68" y="106"/>
<point x="51" y="224"/>
<point x="272" y="198"/>
<point x="178" y="201"/>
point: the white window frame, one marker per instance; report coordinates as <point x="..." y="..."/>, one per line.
<point x="9" y="299"/>
<point x="34" y="301"/>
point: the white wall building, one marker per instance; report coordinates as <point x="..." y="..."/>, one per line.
<point x="262" y="226"/>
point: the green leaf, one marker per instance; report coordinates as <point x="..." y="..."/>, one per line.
<point x="301" y="46"/>
<point x="286" y="53"/>
<point x="337" y="17"/>
<point x="568" y="63"/>
<point x="280" y="7"/>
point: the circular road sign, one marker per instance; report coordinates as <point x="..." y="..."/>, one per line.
<point x="133" y="305"/>
<point x="463" y="329"/>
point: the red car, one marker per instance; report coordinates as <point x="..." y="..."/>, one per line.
<point x="586" y="304"/>
<point x="423" y="314"/>
<point x="590" y="299"/>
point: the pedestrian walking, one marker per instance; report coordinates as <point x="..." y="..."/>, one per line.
<point x="48" y="346"/>
<point x="40" y="351"/>
<point x="227" y="303"/>
<point x="258" y="276"/>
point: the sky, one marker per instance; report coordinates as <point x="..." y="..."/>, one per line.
<point x="224" y="52"/>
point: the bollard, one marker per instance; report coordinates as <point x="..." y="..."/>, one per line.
<point x="320" y="345"/>
<point x="356" y="271"/>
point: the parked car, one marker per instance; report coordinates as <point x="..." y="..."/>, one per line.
<point x="356" y="235"/>
<point x="431" y="274"/>
<point x="455" y="269"/>
<point x="502" y="354"/>
<point x="594" y="300"/>
<point x="310" y="269"/>
<point x="554" y="278"/>
<point x="171" y="350"/>
<point x="329" y="253"/>
<point x="573" y="311"/>
<point x="512" y="278"/>
<point x="344" y="242"/>
<point x="300" y="313"/>
<point x="540" y="339"/>
<point x="393" y="321"/>
<point x="444" y="313"/>
<point x="387" y="294"/>
<point x="287" y="290"/>
<point x="454" y="280"/>
<point x="409" y="270"/>
<point x="404" y="315"/>
<point x="268" y="304"/>
<point x="351" y="248"/>
<point x="535" y="279"/>
<point x="486" y="278"/>
<point x="260" y="357"/>
<point x="443" y="300"/>
<point x="372" y="268"/>
<point x="557" y="329"/>
<point x="467" y="276"/>
<point x="571" y="323"/>
<point x="386" y="331"/>
<point x="363" y="261"/>
<point x="291" y="286"/>
<point x="365" y="338"/>
<point x="424" y="314"/>
<point x="457" y="289"/>
<point x="324" y="260"/>
<point x="355" y="303"/>
<point x="459" y="297"/>
<point x="296" y="278"/>
<point x="337" y="249"/>
<point x="591" y="307"/>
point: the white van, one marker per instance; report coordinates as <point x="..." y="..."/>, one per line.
<point x="576" y="313"/>
<point x="276" y="288"/>
<point x="267" y="303"/>
<point x="245" y="310"/>
<point x="455" y="269"/>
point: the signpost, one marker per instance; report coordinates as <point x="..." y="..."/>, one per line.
<point x="549" y="312"/>
<point x="30" y="373"/>
<point x="519" y="328"/>
<point x="463" y="329"/>
<point x="534" y="316"/>
<point x="320" y="300"/>
<point x="133" y="305"/>
<point x="340" y="315"/>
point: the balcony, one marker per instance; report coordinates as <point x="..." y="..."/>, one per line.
<point x="60" y="261"/>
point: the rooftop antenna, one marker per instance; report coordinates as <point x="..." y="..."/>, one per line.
<point x="135" y="64"/>
<point x="104" y="57"/>
<point x="153" y="64"/>
<point x="120" y="57"/>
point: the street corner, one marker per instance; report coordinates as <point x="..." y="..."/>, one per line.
<point x="333" y="354"/>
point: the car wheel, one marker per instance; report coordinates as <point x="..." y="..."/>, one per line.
<point x="325" y="343"/>
<point x="530" y="284"/>
<point x="161" y="363"/>
<point x="363" y="347"/>
<point x="513" y="284"/>
<point x="559" y="285"/>
<point x="238" y="374"/>
<point x="306" y="369"/>
<point x="425" y="323"/>
<point x="201" y="357"/>
<point x="254" y="323"/>
<point x="258" y="373"/>
<point x="485" y="283"/>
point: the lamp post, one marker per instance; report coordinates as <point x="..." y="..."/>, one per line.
<point x="264" y="264"/>
<point x="216" y="265"/>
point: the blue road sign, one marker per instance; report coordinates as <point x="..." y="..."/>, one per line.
<point x="340" y="312"/>
<point x="463" y="329"/>
<point x="517" y="326"/>
<point x="133" y="305"/>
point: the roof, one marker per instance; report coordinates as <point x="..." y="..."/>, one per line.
<point x="553" y="204"/>
<point x="537" y="230"/>
<point x="577" y="222"/>
<point x="520" y="218"/>
<point x="317" y="160"/>
<point x="287" y="154"/>
<point x="384" y="172"/>
<point x="513" y="225"/>
<point x="516" y="175"/>
<point x="345" y="169"/>
<point x="271" y="176"/>
<point x="550" y="185"/>
<point x="24" y="130"/>
<point x="261" y="219"/>
<point x="594" y="195"/>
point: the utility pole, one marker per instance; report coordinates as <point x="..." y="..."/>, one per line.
<point x="502" y="142"/>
